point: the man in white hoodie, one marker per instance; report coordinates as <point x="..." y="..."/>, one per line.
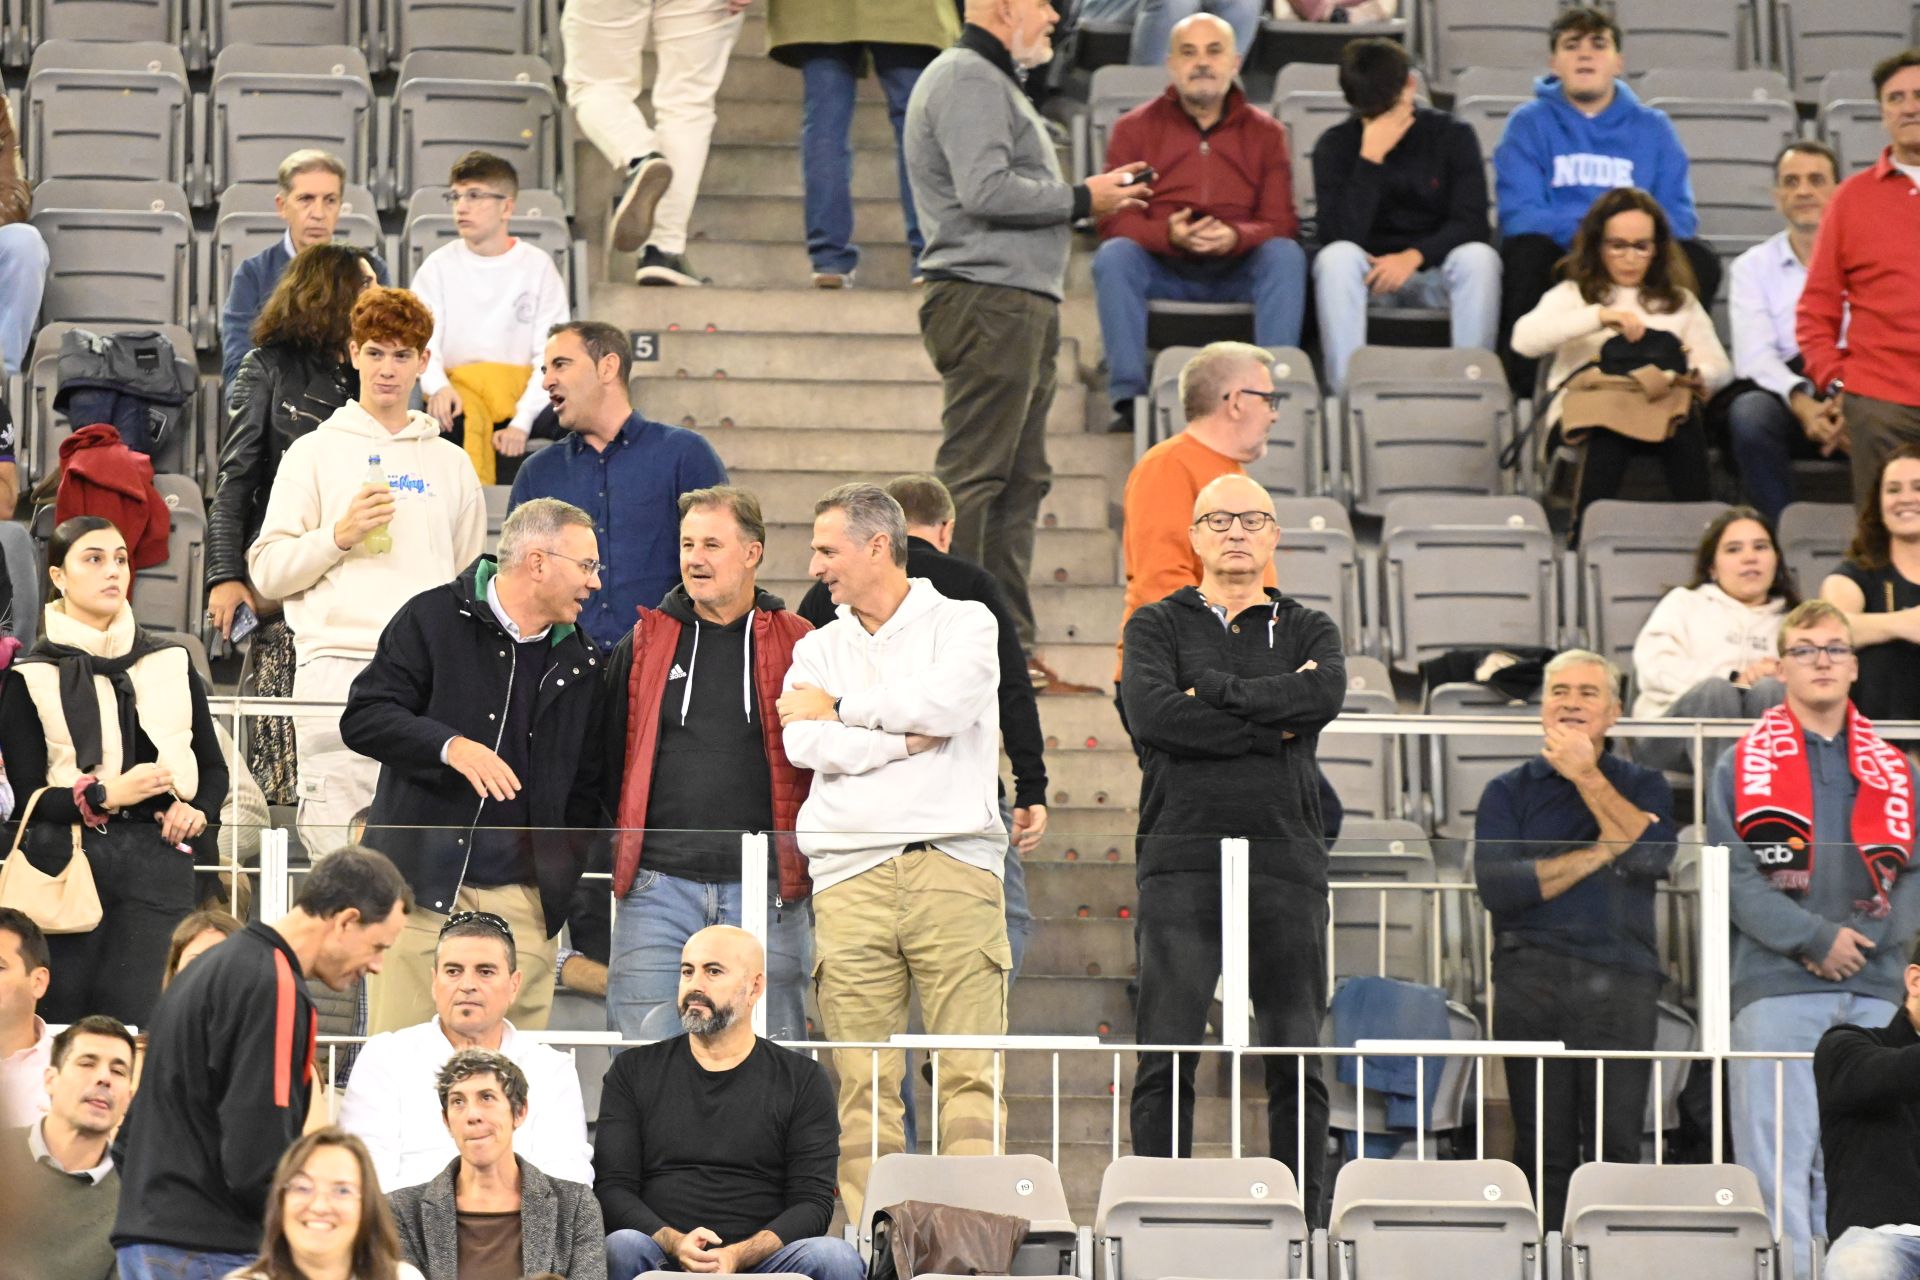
<point x="894" y="706"/>
<point x="313" y="551"/>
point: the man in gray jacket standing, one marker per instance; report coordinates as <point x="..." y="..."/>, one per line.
<point x="997" y="216"/>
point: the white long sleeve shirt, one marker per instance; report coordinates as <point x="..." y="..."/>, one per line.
<point x="1568" y="328"/>
<point x="932" y="668"/>
<point x="391" y="1106"/>
<point x="490" y="309"/>
<point x="1693" y="634"/>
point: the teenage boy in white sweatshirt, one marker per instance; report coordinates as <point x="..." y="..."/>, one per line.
<point x="894" y="705"/>
<point x="311" y="553"/>
<point x="494" y="299"/>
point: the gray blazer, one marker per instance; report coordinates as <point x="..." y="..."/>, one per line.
<point x="560" y="1228"/>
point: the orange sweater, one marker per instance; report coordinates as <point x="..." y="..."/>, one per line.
<point x="1157" y="513"/>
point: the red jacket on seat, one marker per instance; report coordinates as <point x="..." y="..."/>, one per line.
<point x="100" y="476"/>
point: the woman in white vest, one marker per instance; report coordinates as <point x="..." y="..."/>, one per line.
<point x="105" y="730"/>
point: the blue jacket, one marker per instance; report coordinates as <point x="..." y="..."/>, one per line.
<point x="1554" y="161"/>
<point x="253" y="280"/>
<point x="632" y="490"/>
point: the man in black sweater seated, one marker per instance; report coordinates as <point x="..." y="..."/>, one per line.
<point x="715" y="1150"/>
<point x="1868" y="1082"/>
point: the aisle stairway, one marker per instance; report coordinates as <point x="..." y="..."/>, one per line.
<point x="802" y="389"/>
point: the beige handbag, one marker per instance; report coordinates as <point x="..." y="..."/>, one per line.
<point x="66" y="903"/>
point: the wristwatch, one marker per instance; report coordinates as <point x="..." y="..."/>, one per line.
<point x="836" y="708"/>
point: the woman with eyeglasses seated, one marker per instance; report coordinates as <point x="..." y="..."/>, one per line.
<point x="491" y="1215"/>
<point x="1626" y="274"/>
<point x="1878" y="588"/>
<point x="325" y="1217"/>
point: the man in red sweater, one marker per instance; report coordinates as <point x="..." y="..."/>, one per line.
<point x="1220" y="226"/>
<point x="1865" y="272"/>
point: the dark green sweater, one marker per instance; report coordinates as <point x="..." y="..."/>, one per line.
<point x="55" y="1225"/>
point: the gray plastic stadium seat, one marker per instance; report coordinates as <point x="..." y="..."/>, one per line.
<point x="1023" y="1186"/>
<point x="1731" y="124"/>
<point x="1708" y="35"/>
<point x="103" y="20"/>
<point x="496" y="496"/>
<point x="1461" y="765"/>
<point x="1484" y="97"/>
<point x="1705" y="1222"/>
<point x="1449" y="1110"/>
<point x="1814" y="37"/>
<point x="539" y="218"/>
<point x="1488" y="33"/>
<point x="1315" y="562"/>
<point x="1382" y="835"/>
<point x="1383" y="935"/>
<point x="447" y="104"/>
<point x="268" y="101"/>
<point x="1443" y="1219"/>
<point x="1850" y="118"/>
<point x="1363" y="768"/>
<point x="1460" y="573"/>
<point x="169" y="596"/>
<point x="1631" y="554"/>
<point x="462" y="26"/>
<point x="1163" y="416"/>
<point x="1427" y="421"/>
<point x="41" y="428"/>
<point x="285" y="22"/>
<point x="122" y="252"/>
<point x="1160" y="1218"/>
<point x="1674" y="1029"/>
<point x="246" y="223"/>
<point x="23" y="569"/>
<point x="1813" y="539"/>
<point x="1111" y="93"/>
<point x="108" y="111"/>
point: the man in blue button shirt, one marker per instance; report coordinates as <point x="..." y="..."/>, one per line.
<point x="1567" y="848"/>
<point x="623" y="469"/>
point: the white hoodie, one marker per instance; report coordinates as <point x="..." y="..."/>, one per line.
<point x="932" y="668"/>
<point x="1696" y="633"/>
<point x="338" y="602"/>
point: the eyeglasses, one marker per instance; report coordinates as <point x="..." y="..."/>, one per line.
<point x="477" y="917"/>
<point x="473" y="197"/>
<point x="589" y="566"/>
<point x="1809" y="654"/>
<point x="340" y="1194"/>
<point x="1273" y="398"/>
<point x="1221" y="521"/>
<point x="1629" y="248"/>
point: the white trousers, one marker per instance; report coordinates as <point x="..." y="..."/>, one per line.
<point x="335" y="783"/>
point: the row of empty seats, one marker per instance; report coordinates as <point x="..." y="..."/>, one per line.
<point x="125" y="112"/>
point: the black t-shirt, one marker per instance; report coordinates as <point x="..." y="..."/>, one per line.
<point x="711" y="780"/>
<point x="737" y="1152"/>
<point x="1889" y="685"/>
<point x="502" y="847"/>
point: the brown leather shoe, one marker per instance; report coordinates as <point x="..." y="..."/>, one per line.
<point x="1047" y="683"/>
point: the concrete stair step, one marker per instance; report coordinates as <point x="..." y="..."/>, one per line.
<point x="811" y="357"/>
<point x="762" y="264"/>
<point x="1070" y="722"/>
<point x="1078" y="1006"/>
<point x="1082" y="552"/>
<point x="1069" y="947"/>
<point x="768" y="121"/>
<point x="791" y="310"/>
<point x="754" y="77"/>
<point x="773" y="169"/>
<point x="1090" y="1074"/>
<point x="787" y="497"/>
<point x="1077" y="776"/>
<point x="887" y="408"/>
<point x="1061" y="889"/>
<point x="1090" y="832"/>
<point x="1080" y="613"/>
<point x="875" y="221"/>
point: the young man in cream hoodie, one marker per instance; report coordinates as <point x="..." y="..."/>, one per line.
<point x="894" y="705"/>
<point x="312" y="553"/>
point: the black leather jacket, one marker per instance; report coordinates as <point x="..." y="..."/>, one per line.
<point x="279" y="394"/>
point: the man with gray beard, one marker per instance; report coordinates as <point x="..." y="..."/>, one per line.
<point x="715" y="1150"/>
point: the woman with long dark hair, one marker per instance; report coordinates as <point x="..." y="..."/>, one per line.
<point x="112" y="721"/>
<point x="292" y="381"/>
<point x="1878" y="588"/>
<point x="1626" y="274"/>
<point x="326" y="1218"/>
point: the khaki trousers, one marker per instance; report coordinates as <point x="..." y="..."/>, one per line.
<point x="401" y="994"/>
<point x="1876" y="428"/>
<point x="920" y="923"/>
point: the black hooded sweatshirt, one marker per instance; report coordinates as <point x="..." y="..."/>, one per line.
<point x="1217" y="762"/>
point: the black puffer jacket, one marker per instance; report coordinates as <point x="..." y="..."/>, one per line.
<point x="279" y="394"/>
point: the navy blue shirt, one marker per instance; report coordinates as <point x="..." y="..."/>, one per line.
<point x="632" y="490"/>
<point x="1529" y="813"/>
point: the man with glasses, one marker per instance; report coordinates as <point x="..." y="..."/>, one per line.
<point x="479" y="705"/>
<point x="1816" y="811"/>
<point x="1227" y="685"/>
<point x="625" y="470"/>
<point x="390" y="1102"/>
<point x="494" y="299"/>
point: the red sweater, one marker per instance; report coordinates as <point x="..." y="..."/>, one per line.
<point x="1237" y="171"/>
<point x="1864" y="262"/>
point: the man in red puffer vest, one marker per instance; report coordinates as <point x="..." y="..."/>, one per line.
<point x="692" y="718"/>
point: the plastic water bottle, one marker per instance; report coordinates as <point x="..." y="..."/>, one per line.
<point x="380" y="541"/>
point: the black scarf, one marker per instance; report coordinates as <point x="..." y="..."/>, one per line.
<point x="77" y="701"/>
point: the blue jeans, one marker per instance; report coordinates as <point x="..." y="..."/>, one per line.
<point x="1790" y="1024"/>
<point x="164" y="1262"/>
<point x="631" y="1252"/>
<point x="1126" y="276"/>
<point x="1467" y="283"/>
<point x="654" y="921"/>
<point x="1862" y="1253"/>
<point x="23" y="278"/>
<point x="826" y="147"/>
<point x="1765" y="438"/>
<point x="1153" y="26"/>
